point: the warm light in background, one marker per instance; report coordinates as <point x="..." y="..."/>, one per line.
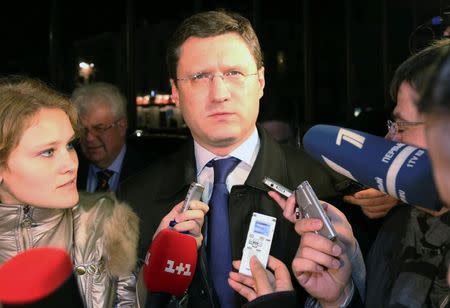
<point x="85" y="70"/>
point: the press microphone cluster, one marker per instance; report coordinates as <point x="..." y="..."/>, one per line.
<point x="39" y="277"/>
<point x="400" y="170"/>
<point x="169" y="266"/>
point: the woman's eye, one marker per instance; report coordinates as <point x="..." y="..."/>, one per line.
<point x="47" y="153"/>
<point x="71" y="145"/>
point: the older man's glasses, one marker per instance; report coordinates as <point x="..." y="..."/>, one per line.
<point x="399" y="127"/>
<point x="97" y="130"/>
<point x="231" y="78"/>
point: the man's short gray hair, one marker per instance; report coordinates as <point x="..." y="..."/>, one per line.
<point x="86" y="96"/>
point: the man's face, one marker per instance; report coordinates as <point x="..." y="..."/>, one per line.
<point x="42" y="170"/>
<point x="102" y="136"/>
<point x="406" y="112"/>
<point x="220" y="113"/>
<point x="437" y="132"/>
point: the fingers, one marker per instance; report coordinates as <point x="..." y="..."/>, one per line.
<point x="287" y="205"/>
<point x="320" y="250"/>
<point x="282" y="276"/>
<point x="234" y="280"/>
<point x="373" y="203"/>
<point x="260" y="277"/>
<point x="305" y="225"/>
<point x="242" y="284"/>
<point x="195" y="214"/>
<point x="166" y="219"/>
<point x="371" y="197"/>
<point x="368" y="193"/>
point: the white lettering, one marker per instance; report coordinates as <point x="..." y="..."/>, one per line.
<point x="169" y="268"/>
<point x="187" y="271"/>
<point x="180" y="268"/>
<point x="402" y="195"/>
<point x="337" y="168"/>
<point x="387" y="157"/>
<point x="351" y="137"/>
<point x="380" y="184"/>
<point x="412" y="161"/>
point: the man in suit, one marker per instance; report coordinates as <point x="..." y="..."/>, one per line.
<point x="105" y="158"/>
<point x="217" y="79"/>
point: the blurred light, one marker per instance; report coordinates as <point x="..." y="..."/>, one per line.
<point x="83" y="65"/>
<point x="85" y="70"/>
<point x="138" y="133"/>
<point x="357" y="111"/>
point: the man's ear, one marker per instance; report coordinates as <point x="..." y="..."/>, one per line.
<point x="175" y="96"/>
<point x="262" y="81"/>
<point x="123" y="125"/>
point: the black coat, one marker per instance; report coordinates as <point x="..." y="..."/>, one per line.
<point x="153" y="193"/>
<point x="133" y="162"/>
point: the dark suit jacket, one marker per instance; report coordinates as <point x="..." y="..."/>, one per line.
<point x="133" y="161"/>
<point x="153" y="193"/>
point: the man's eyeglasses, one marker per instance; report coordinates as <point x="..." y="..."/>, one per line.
<point x="97" y="130"/>
<point x="231" y="78"/>
<point x="397" y="127"/>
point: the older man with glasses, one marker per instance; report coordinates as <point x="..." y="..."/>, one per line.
<point x="106" y="160"/>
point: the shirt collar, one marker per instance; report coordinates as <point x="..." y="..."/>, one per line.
<point x="245" y="152"/>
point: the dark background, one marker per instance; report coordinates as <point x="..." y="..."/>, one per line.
<point x="323" y="59"/>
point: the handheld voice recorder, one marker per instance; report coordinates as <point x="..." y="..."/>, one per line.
<point x="306" y="198"/>
<point x="277" y="187"/>
<point x="258" y="242"/>
<point x="195" y="192"/>
<point x="282" y="190"/>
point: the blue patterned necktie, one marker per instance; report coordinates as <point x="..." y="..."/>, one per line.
<point x="103" y="177"/>
<point x="219" y="243"/>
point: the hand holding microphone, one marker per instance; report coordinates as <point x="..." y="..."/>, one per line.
<point x="374" y="203"/>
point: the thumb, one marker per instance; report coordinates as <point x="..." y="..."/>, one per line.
<point x="259" y="273"/>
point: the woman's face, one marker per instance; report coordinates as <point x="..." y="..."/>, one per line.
<point x="42" y="170"/>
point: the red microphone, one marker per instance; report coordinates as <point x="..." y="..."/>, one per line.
<point x="39" y="277"/>
<point x="170" y="263"/>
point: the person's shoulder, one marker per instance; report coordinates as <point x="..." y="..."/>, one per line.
<point x="101" y="215"/>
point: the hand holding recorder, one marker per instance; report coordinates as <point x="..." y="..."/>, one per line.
<point x="187" y="216"/>
<point x="261" y="281"/>
<point x="304" y="204"/>
<point x="322" y="266"/>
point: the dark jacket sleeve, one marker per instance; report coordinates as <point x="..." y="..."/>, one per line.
<point x="286" y="299"/>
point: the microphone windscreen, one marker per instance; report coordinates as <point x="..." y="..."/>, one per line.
<point x="39" y="277"/>
<point x="170" y="263"/>
<point x="400" y="170"/>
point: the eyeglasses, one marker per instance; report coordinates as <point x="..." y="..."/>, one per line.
<point x="398" y="127"/>
<point x="231" y="78"/>
<point x="97" y="130"/>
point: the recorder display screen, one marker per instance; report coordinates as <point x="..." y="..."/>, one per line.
<point x="262" y="228"/>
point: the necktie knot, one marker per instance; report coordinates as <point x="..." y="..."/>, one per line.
<point x="222" y="168"/>
<point x="103" y="177"/>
